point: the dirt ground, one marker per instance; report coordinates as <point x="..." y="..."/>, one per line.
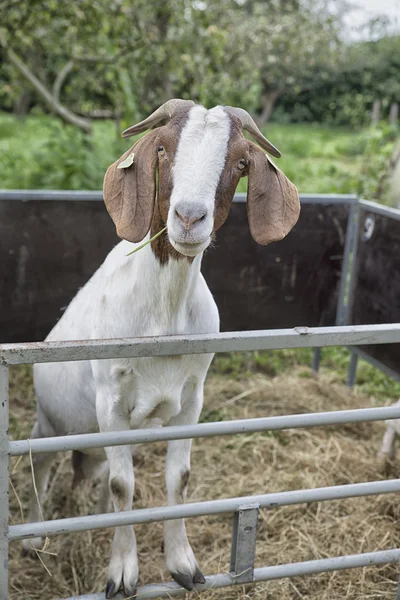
<point x="226" y="467"/>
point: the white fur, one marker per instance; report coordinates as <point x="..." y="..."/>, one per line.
<point x="388" y="448"/>
<point x="129" y="297"/>
<point x="199" y="161"/>
<point x="137" y="296"/>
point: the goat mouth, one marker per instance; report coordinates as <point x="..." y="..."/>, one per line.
<point x="190" y="248"/>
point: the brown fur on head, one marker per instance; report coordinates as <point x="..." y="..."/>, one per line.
<point x="185" y="151"/>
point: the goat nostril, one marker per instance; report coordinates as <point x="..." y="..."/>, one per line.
<point x="179" y="216"/>
<point x="188" y="218"/>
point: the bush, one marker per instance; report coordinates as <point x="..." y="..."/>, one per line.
<point x="69" y="160"/>
<point x="42" y="152"/>
<point x="378" y="144"/>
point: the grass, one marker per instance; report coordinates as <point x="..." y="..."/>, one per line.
<point x="317" y="158"/>
<point x="39" y="152"/>
<point x="334" y="364"/>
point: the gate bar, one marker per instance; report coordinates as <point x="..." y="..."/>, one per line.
<point x="97" y="196"/>
<point x="309" y="567"/>
<point x="173" y="345"/>
<point x="3" y="482"/>
<point x="159" y="434"/>
<point x="197" y="509"/>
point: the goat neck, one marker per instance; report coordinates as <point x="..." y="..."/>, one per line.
<point x="169" y="278"/>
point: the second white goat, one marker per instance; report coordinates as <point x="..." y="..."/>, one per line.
<point x="200" y="156"/>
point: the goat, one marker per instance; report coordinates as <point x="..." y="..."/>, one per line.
<point x="200" y="156"/>
<point x="387" y="452"/>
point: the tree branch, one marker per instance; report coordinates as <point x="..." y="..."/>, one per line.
<point x="60" y="79"/>
<point x="53" y="103"/>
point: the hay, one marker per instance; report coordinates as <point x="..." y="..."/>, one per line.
<point x="230" y="466"/>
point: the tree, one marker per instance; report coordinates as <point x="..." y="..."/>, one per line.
<point x="128" y="57"/>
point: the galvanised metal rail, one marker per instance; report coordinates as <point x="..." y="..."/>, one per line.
<point x="352" y="561"/>
<point x="245" y="509"/>
<point x="97" y="196"/>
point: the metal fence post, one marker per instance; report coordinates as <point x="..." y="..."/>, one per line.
<point x="3" y="481"/>
<point x="342" y="311"/>
<point x="352" y="372"/>
<point x="316" y="359"/>
<point x="244" y="534"/>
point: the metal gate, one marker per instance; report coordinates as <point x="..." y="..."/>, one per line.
<point x="244" y="509"/>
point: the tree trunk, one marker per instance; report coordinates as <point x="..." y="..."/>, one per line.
<point x="22" y="103"/>
<point x="269" y="101"/>
<point x="376" y="112"/>
<point x="394" y="113"/>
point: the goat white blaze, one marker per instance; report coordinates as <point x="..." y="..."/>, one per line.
<point x="199" y="162"/>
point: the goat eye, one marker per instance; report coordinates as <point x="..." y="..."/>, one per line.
<point x="242" y="163"/>
<point x="160" y="149"/>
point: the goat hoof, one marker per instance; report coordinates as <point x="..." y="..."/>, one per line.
<point x="199" y="577"/>
<point x="184" y="580"/>
<point x="111" y="588"/>
<point x="129" y="592"/>
<point x="187" y="581"/>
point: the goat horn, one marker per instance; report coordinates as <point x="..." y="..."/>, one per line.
<point x="165" y="111"/>
<point x="249" y="125"/>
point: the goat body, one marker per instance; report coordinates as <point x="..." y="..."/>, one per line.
<point x="200" y="156"/>
<point x="128" y="297"/>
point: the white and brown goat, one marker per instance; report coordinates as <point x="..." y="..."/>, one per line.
<point x="200" y="156"/>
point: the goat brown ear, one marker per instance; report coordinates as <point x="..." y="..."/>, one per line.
<point x="273" y="205"/>
<point x="129" y="191"/>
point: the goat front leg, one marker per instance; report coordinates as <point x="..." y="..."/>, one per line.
<point x="179" y="555"/>
<point x="123" y="569"/>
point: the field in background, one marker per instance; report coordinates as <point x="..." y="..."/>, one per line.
<point x="39" y="152"/>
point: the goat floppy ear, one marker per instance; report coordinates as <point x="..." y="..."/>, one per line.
<point x="129" y="192"/>
<point x="273" y="205"/>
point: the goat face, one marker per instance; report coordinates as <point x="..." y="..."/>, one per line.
<point x="200" y="155"/>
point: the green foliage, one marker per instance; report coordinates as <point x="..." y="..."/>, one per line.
<point x="129" y="57"/>
<point x="65" y="161"/>
<point x="379" y="145"/>
<point x="316" y="157"/>
<point x="343" y="94"/>
<point x="376" y="146"/>
<point x="132" y="56"/>
<point x="43" y="153"/>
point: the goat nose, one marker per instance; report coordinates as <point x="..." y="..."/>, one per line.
<point x="189" y="213"/>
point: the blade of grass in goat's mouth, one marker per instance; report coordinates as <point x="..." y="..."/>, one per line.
<point x="148" y="242"/>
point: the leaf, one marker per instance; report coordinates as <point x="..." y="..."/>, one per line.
<point x="127" y="162"/>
